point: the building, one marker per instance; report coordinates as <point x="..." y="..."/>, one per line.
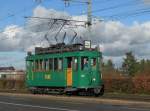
<point x="10" y="73"/>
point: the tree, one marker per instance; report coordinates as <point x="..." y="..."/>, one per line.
<point x="110" y="64"/>
<point x="144" y="67"/>
<point x="130" y="64"/>
<point x="109" y="71"/>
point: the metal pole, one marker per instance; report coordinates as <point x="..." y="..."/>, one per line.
<point x="89" y="18"/>
<point x="89" y="13"/>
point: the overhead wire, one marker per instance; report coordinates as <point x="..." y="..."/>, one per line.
<point x="127" y="13"/>
<point x="130" y="13"/>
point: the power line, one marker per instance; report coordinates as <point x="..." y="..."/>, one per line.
<point x="125" y="4"/>
<point x="17" y="13"/>
<point x="129" y="14"/>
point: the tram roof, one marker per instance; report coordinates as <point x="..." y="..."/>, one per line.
<point x="60" y="50"/>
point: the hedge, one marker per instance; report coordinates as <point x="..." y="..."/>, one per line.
<point x="139" y="84"/>
<point x="12" y="84"/>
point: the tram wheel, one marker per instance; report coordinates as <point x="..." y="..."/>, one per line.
<point x="102" y="91"/>
<point x="97" y="91"/>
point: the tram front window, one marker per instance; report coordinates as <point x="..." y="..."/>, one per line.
<point x="75" y="64"/>
<point x="84" y="63"/>
<point x="93" y="63"/>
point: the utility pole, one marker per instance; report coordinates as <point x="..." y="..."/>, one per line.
<point x="89" y="9"/>
<point x="89" y="13"/>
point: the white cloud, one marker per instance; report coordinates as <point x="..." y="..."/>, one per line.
<point x="147" y="2"/>
<point x="115" y="37"/>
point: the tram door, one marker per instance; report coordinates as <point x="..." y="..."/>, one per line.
<point x="69" y="71"/>
<point x="29" y="65"/>
<point x="94" y="75"/>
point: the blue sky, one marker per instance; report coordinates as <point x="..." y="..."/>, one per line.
<point x="13" y="12"/>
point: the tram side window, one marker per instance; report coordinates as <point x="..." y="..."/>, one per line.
<point x="40" y="64"/>
<point x="46" y="64"/>
<point x="84" y="63"/>
<point x="93" y="63"/>
<point x="50" y="64"/>
<point x="43" y="64"/>
<point x="36" y="65"/>
<point x="55" y="64"/>
<point x="60" y="64"/>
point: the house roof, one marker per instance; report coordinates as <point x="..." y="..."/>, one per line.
<point x="7" y="68"/>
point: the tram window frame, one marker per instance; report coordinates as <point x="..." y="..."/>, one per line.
<point x="83" y="63"/>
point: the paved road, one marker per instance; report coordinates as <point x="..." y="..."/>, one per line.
<point x="37" y="103"/>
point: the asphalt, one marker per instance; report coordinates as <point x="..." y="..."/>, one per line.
<point x="27" y="102"/>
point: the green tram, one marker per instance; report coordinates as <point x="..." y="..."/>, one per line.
<point x="64" y="69"/>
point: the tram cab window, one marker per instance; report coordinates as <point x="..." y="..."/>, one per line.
<point x="29" y="64"/>
<point x="75" y="64"/>
<point x="93" y="63"/>
<point x="84" y="63"/>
